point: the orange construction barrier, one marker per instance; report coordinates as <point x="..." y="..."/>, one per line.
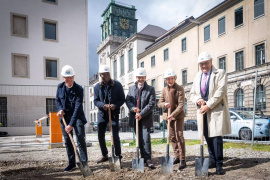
<point x="38" y="128"/>
<point x="55" y="131"/>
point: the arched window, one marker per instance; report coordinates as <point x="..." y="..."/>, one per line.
<point x="260" y="97"/>
<point x="185" y="106"/>
<point x="91" y="116"/>
<point x="95" y="119"/>
<point x="239" y="98"/>
<point x="123" y="113"/>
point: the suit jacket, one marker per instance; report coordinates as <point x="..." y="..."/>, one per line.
<point x="148" y="100"/>
<point x="218" y="117"/>
<point x="76" y="99"/>
<point x="116" y="96"/>
<point x="178" y="113"/>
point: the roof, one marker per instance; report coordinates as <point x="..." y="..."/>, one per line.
<point x="152" y="30"/>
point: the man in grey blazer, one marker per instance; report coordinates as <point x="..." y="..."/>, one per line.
<point x="141" y="98"/>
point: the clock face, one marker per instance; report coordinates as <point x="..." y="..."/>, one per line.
<point x="124" y="24"/>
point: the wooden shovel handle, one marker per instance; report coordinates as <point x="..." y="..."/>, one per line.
<point x="110" y="121"/>
<point x="168" y="126"/>
<point x="202" y="127"/>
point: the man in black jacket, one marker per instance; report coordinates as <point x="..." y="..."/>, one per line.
<point x="108" y="94"/>
<point x="141" y="98"/>
<point x="69" y="98"/>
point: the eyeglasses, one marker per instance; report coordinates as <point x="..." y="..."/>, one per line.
<point x="204" y="63"/>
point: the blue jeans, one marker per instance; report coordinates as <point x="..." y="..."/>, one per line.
<point x="101" y="137"/>
<point x="80" y="135"/>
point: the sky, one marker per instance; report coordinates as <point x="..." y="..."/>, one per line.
<point x="163" y="13"/>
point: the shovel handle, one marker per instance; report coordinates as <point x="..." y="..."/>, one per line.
<point x="110" y="121"/>
<point x="137" y="132"/>
<point x="168" y="126"/>
<point x="202" y="128"/>
<point x="71" y="139"/>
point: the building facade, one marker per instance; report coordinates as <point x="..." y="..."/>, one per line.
<point x="236" y="34"/>
<point x="35" y="45"/>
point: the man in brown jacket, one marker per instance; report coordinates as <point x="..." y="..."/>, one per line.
<point x="173" y="97"/>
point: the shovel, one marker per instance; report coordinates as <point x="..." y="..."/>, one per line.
<point x="167" y="161"/>
<point x="201" y="164"/>
<point x="114" y="161"/>
<point x="83" y="166"/>
<point x="137" y="164"/>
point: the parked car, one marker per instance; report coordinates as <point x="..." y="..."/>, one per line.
<point x="190" y="125"/>
<point x="242" y="122"/>
<point x="157" y="125"/>
<point x="258" y="112"/>
<point x="161" y="125"/>
<point x="124" y="125"/>
<point x="152" y="129"/>
<point x="95" y="126"/>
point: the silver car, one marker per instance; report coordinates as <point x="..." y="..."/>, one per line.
<point x="241" y="124"/>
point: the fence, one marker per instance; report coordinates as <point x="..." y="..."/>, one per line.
<point x="249" y="111"/>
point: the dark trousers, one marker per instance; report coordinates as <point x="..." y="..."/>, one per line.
<point x="215" y="145"/>
<point x="80" y="134"/>
<point x="144" y="141"/>
<point x="101" y="137"/>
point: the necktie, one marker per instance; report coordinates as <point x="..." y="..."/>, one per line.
<point x="203" y="83"/>
<point x="138" y="100"/>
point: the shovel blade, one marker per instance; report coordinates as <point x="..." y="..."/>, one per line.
<point x="84" y="168"/>
<point x="166" y="165"/>
<point x="138" y="164"/>
<point x="114" y="163"/>
<point x="201" y="168"/>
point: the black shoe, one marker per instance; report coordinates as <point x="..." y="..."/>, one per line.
<point x="103" y="159"/>
<point x="182" y="164"/>
<point x="69" y="168"/>
<point x="212" y="165"/>
<point x="176" y="160"/>
<point x="220" y="171"/>
<point x="149" y="164"/>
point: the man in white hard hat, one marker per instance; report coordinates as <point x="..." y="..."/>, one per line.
<point x="108" y="93"/>
<point x="173" y="97"/>
<point x="69" y="98"/>
<point x="141" y="98"/>
<point x="209" y="94"/>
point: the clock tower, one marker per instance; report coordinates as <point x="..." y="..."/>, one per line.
<point x="118" y="19"/>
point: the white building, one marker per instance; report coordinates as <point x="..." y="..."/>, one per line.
<point x="37" y="39"/>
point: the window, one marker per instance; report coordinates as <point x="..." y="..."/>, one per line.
<point x="166" y="54"/>
<point x="115" y="69"/>
<point x="19" y="25"/>
<point x="91" y="105"/>
<point x="20" y="66"/>
<point x="50" y="30"/>
<point x="185" y="106"/>
<point x="130" y="59"/>
<point x="260" y="54"/>
<point x="258" y="8"/>
<point x="153" y="83"/>
<point x="221" y="25"/>
<point x="142" y="64"/>
<point x="184" y="77"/>
<point x="239" y="61"/>
<point x="239" y="98"/>
<point x="123" y="33"/>
<point x="207" y="33"/>
<point x="238" y="16"/>
<point x="165" y="84"/>
<point x="115" y="32"/>
<point x="123" y="113"/>
<point x="51" y="68"/>
<point x="50" y="107"/>
<point x="153" y="63"/>
<point x="222" y="63"/>
<point x="3" y="111"/>
<point x="50" y="1"/>
<point x="184" y="44"/>
<point x="260" y="97"/>
<point x="122" y="65"/>
<point x="95" y="117"/>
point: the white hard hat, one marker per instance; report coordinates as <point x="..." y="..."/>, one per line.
<point x="140" y="72"/>
<point x="67" y="71"/>
<point x="169" y="72"/>
<point x="104" y="68"/>
<point x="204" y="56"/>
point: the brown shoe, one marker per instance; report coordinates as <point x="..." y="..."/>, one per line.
<point x="176" y="160"/>
<point x="102" y="159"/>
<point x="182" y="164"/>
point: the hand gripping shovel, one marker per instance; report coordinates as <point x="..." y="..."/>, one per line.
<point x="114" y="161"/>
<point x="167" y="161"/>
<point x="83" y="166"/>
<point x="201" y="164"/>
<point x="137" y="164"/>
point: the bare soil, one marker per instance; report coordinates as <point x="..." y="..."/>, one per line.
<point x="42" y="163"/>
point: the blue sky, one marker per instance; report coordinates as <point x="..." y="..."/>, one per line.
<point x="162" y="13"/>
